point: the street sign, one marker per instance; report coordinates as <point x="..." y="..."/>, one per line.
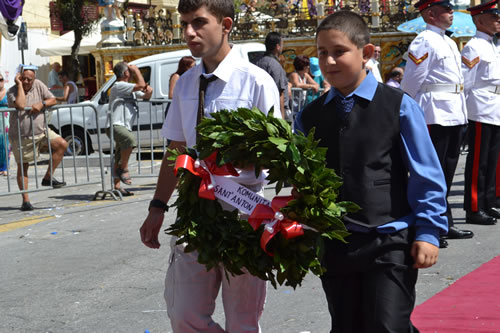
<point x="22" y="37"/>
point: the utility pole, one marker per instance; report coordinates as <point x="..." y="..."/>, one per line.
<point x="22" y="40"/>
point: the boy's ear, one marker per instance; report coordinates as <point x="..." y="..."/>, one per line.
<point x="368" y="50"/>
<point x="227" y="24"/>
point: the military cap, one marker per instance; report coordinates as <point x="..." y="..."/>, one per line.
<point x="488" y="7"/>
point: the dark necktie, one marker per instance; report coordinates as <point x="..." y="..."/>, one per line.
<point x="204" y="81"/>
<point x="343" y="106"/>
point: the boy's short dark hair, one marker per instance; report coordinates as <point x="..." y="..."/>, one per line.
<point x="350" y="23"/>
<point x="272" y="39"/>
<point x="218" y="8"/>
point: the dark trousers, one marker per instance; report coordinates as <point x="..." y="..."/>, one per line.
<point x="447" y="141"/>
<point x="370" y="283"/>
<point x="481" y="165"/>
<point x="498" y="182"/>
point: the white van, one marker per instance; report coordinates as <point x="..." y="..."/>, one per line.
<point x="156" y="70"/>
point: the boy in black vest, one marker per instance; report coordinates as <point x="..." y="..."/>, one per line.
<point x="378" y="142"/>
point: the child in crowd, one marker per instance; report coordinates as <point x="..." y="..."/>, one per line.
<point x="378" y="142"/>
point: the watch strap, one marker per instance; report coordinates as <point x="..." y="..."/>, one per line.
<point x="158" y="204"/>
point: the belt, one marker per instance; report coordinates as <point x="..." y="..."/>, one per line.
<point x="455" y="88"/>
<point x="492" y="89"/>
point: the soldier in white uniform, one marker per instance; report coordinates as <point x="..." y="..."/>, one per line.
<point x="481" y="69"/>
<point x="433" y="77"/>
<point x="497" y="43"/>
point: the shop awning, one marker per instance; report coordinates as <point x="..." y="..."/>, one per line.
<point x="62" y="45"/>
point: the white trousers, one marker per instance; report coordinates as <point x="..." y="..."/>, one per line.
<point x="191" y="291"/>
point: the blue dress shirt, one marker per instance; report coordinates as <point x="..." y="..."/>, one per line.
<point x="426" y="182"/>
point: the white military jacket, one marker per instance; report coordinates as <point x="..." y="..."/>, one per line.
<point x="481" y="69"/>
<point x="433" y="77"/>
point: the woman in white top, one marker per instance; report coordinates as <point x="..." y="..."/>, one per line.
<point x="185" y="63"/>
<point x="70" y="90"/>
<point x="301" y="79"/>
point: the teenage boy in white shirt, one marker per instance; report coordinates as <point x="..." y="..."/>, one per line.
<point x="190" y="291"/>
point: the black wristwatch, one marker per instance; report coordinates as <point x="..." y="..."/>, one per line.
<point x="44" y="104"/>
<point x="158" y="204"/>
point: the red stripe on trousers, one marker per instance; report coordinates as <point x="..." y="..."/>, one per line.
<point x="475" y="168"/>
<point x="498" y="177"/>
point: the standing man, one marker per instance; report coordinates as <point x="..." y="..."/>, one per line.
<point x="124" y="116"/>
<point x="395" y="77"/>
<point x="481" y="68"/>
<point x="373" y="64"/>
<point x="270" y="63"/>
<point x="433" y="77"/>
<point x="31" y="92"/>
<point x="70" y="90"/>
<point x="55" y="85"/>
<point x="223" y="80"/>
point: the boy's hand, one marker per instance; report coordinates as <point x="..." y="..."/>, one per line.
<point x="151" y="228"/>
<point x="295" y="194"/>
<point x="424" y="254"/>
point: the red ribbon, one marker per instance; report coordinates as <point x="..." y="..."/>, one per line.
<point x="206" y="190"/>
<point x="288" y="228"/>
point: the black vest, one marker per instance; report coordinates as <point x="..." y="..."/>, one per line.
<point x="365" y="150"/>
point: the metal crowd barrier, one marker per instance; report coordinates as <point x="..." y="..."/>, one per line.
<point x="80" y="122"/>
<point x="84" y="111"/>
<point x="146" y="126"/>
<point x="299" y="100"/>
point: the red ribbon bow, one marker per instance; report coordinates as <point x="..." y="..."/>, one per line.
<point x="279" y="223"/>
<point x="194" y="166"/>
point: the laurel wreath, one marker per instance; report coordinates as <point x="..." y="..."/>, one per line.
<point x="247" y="136"/>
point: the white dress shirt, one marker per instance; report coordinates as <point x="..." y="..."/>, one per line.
<point x="481" y="68"/>
<point x="373" y="64"/>
<point x="239" y="84"/>
<point x="434" y="60"/>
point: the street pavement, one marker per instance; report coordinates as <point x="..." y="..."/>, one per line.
<point x="77" y="265"/>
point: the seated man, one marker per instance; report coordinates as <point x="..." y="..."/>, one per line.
<point x="30" y="133"/>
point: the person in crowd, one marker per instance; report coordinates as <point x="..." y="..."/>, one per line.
<point x="4" y="129"/>
<point x="301" y="79"/>
<point x="437" y="86"/>
<point x="315" y="73"/>
<point x="70" y="90"/>
<point x="395" y="77"/>
<point x="271" y="64"/>
<point x="224" y="80"/>
<point x="124" y="116"/>
<point x="31" y="133"/>
<point x="185" y="63"/>
<point x="373" y="64"/>
<point x="54" y="84"/>
<point x="394" y="175"/>
<point x="481" y="68"/>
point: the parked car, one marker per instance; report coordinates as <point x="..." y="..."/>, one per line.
<point x="156" y="70"/>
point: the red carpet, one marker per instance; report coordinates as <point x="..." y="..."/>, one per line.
<point x="471" y="304"/>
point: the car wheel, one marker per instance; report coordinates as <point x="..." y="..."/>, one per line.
<point x="78" y="140"/>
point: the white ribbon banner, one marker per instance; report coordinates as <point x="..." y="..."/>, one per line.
<point x="237" y="195"/>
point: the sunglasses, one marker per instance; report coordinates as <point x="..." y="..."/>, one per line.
<point x="26" y="79"/>
<point x="1" y="79"/>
